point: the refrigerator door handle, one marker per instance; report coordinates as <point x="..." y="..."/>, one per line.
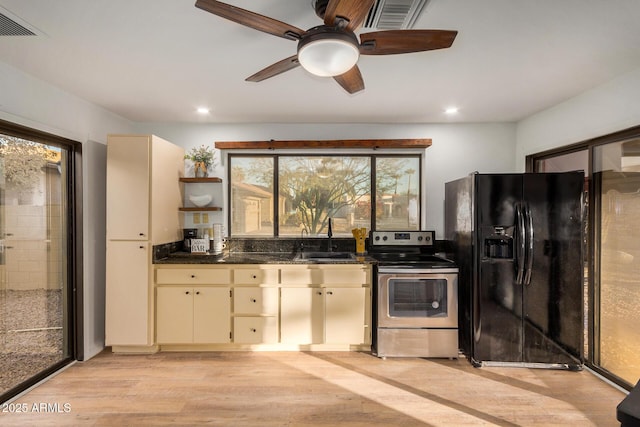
<point x="529" y="248"/>
<point x="520" y="248"/>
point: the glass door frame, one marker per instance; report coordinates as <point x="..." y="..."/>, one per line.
<point x="592" y="247"/>
<point x="74" y="257"/>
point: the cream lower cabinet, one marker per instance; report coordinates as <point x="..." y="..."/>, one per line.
<point x="301" y="315"/>
<point x="255" y="305"/>
<point x="344" y="315"/>
<point x="198" y="315"/>
<point x="193" y="305"/>
<point x="128" y="313"/>
<point x="255" y="315"/>
<point x="335" y="315"/>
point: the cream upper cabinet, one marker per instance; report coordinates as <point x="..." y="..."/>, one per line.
<point x="128" y="187"/>
<point x="142" y="184"/>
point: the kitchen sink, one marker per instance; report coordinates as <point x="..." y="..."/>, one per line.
<point x="324" y="256"/>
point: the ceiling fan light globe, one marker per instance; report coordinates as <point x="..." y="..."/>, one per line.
<point x="328" y="55"/>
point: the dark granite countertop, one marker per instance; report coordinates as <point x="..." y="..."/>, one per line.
<point x="251" y="258"/>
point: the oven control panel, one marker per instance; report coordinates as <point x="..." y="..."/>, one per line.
<point x="402" y="238"/>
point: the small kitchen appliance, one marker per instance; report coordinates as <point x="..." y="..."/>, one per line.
<point x="415" y="296"/>
<point x="188" y="234"/>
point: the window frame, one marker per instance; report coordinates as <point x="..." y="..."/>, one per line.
<point x="276" y="185"/>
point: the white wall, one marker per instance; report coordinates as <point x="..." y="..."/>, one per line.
<point x="36" y="104"/>
<point x="457" y="149"/>
<point x="602" y="110"/>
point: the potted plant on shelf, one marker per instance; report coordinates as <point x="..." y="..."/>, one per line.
<point x="202" y="158"/>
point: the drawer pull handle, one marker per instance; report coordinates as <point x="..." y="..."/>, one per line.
<point x="253" y="330"/>
<point x="198" y="293"/>
<point x="319" y="293"/>
<point x="254" y="300"/>
<point x="186" y="293"/>
<point x="254" y="276"/>
<point x="329" y="293"/>
<point x="193" y="276"/>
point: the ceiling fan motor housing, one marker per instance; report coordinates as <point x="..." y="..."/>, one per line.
<point x="320" y="7"/>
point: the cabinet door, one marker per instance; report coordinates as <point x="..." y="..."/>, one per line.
<point x="211" y="315"/>
<point x="174" y="322"/>
<point x="128" y="169"/>
<point x="345" y="315"/>
<point x="301" y="315"/>
<point x="128" y="293"/>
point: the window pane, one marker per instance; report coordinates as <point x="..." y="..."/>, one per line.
<point x="397" y="193"/>
<point x="314" y="189"/>
<point x="617" y="186"/>
<point x="34" y="289"/>
<point x="251" y="196"/>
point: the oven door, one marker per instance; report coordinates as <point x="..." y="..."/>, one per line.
<point x="417" y="298"/>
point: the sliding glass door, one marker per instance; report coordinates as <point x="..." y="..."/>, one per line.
<point x="617" y="274"/>
<point x="35" y="304"/>
<point x="612" y="163"/>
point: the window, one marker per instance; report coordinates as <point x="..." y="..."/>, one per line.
<point x="286" y="195"/>
<point x="397" y="193"/>
<point x="252" y="195"/>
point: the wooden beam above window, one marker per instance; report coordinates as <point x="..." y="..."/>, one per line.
<point x="315" y="144"/>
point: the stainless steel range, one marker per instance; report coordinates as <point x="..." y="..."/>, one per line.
<point x="415" y="297"/>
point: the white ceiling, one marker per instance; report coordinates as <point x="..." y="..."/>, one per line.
<point x="158" y="60"/>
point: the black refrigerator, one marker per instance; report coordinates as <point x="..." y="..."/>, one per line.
<point x="518" y="241"/>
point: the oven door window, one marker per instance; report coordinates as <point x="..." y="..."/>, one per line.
<point x="414" y="297"/>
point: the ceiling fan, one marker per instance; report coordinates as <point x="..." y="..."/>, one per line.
<point x="332" y="49"/>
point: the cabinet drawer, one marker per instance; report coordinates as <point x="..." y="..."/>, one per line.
<point x="255" y="300"/>
<point x="255" y="330"/>
<point x="254" y="276"/>
<point x="196" y="276"/>
<point x="324" y="276"/>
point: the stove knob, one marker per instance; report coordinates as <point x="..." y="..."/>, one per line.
<point x="419" y="238"/>
<point x="377" y="238"/>
<point x="384" y="238"/>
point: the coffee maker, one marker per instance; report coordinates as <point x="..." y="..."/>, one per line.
<point x="188" y="234"/>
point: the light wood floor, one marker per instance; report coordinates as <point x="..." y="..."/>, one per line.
<point x="310" y="389"/>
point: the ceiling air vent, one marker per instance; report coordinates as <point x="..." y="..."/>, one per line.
<point x="9" y="27"/>
<point x="394" y="14"/>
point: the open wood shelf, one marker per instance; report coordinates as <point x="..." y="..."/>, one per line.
<point x="197" y="209"/>
<point x="203" y="180"/>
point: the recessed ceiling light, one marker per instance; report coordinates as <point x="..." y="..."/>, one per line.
<point x="451" y="110"/>
<point x="203" y="110"/>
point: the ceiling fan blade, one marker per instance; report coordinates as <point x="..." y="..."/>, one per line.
<point x="251" y="19"/>
<point x="355" y="11"/>
<point x="273" y="70"/>
<point x="351" y="81"/>
<point x="405" y="41"/>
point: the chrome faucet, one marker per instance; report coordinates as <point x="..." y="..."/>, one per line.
<point x="302" y="233"/>
<point x="329" y="235"/>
